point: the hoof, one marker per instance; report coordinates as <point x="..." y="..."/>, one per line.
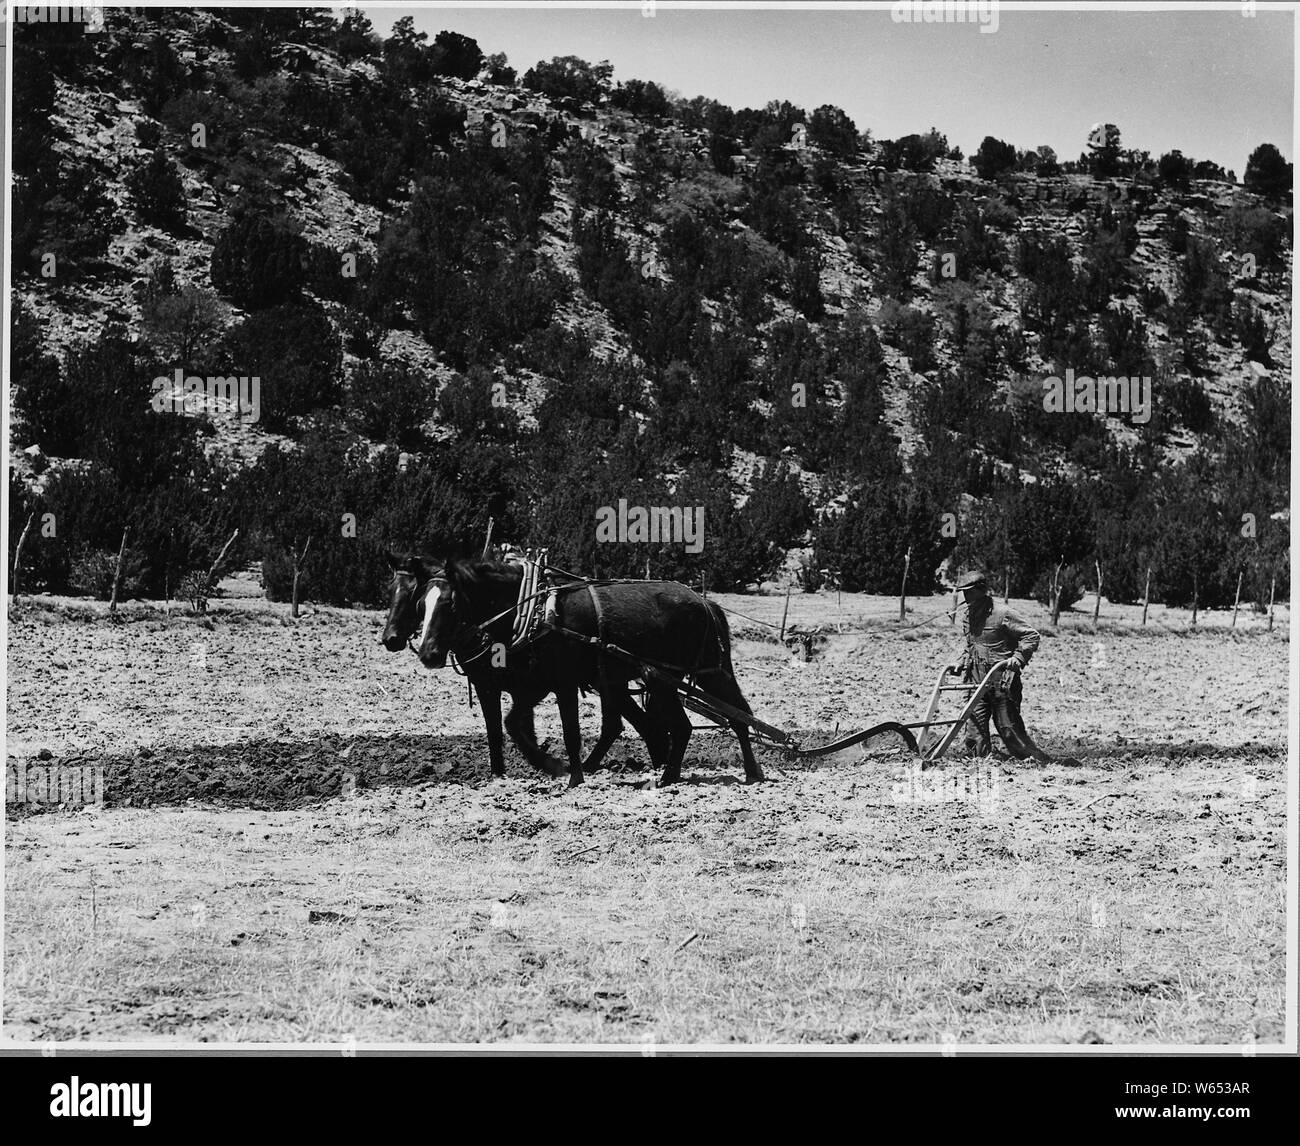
<point x="759" y="779"/>
<point x="575" y="779"/>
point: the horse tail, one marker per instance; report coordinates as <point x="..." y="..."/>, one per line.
<point x="723" y="631"/>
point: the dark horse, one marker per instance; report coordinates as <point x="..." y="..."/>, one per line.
<point x="664" y="633"/>
<point x="419" y="584"/>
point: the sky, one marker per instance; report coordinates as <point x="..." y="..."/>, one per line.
<point x="1212" y="84"/>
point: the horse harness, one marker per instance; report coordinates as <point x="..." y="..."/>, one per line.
<point x="536" y="614"/>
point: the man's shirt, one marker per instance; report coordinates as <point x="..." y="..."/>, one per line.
<point x="995" y="633"/>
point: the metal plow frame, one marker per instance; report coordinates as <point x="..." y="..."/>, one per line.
<point x="931" y="746"/>
<point x="1016" y="740"/>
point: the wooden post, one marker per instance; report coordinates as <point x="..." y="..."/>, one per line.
<point x="1196" y="596"/>
<point x="18" y="555"/>
<point x="1146" y="596"/>
<point x="117" y="572"/>
<point x="1271" y="589"/>
<point x="216" y="565"/>
<point x="1056" y="594"/>
<point x="1006" y="583"/>
<point x="297" y="570"/>
<point x="486" y="544"/>
<point x="1237" y="599"/>
<point x="167" y="570"/>
<point x="647" y="567"/>
<point x="902" y="593"/>
<point x="1096" y="605"/>
<point x="785" y="613"/>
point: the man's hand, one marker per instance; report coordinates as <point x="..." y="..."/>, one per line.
<point x="1010" y="665"/>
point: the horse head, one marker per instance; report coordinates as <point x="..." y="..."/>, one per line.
<point x="457" y="601"/>
<point x="412" y="577"/>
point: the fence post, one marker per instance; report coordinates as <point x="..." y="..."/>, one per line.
<point x="18" y="554"/>
<point x="297" y="571"/>
<point x="210" y="583"/>
<point x="1237" y="599"/>
<point x="117" y="572"/>
<point x="1271" y="589"/>
<point x="902" y="593"/>
<point x="1096" y="605"/>
<point x="784" y="613"/>
<point x="486" y="544"/>
<point x="1146" y="596"/>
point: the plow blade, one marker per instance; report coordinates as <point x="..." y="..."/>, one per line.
<point x="859" y="737"/>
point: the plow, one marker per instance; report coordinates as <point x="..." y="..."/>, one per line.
<point x="929" y="745"/>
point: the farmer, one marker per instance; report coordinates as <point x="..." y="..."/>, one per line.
<point x="996" y="637"/>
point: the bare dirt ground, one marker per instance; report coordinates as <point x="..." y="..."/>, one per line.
<point x="299" y="842"/>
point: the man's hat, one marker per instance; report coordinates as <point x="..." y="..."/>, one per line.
<point x="971" y="579"/>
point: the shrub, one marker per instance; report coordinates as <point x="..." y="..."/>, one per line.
<point x="911" y="331"/>
<point x="158" y="193"/>
<point x="569" y="76"/>
<point x="1267" y="172"/>
<point x="392" y="403"/>
<point x="1188" y="403"/>
<point x="295" y="352"/>
<point x="913" y="152"/>
<point x="1072" y="586"/>
<point x="1175" y="170"/>
<point x="993" y="157"/>
<point x="456" y="55"/>
<point x="1254" y="333"/>
<point x="93" y="571"/>
<point x="641" y="98"/>
<point x="149" y="133"/>
<point x="833" y="131"/>
<point x="258" y="263"/>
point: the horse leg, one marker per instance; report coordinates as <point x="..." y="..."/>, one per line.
<point x="611" y="724"/>
<point x="566" y="697"/>
<point x="489" y="700"/>
<point x="519" y="723"/>
<point x="668" y="708"/>
<point x="638" y="718"/>
<point x="723" y="686"/>
<point x="655" y="732"/>
<point x="616" y="704"/>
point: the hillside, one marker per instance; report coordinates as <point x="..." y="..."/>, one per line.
<point x="470" y="293"/>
